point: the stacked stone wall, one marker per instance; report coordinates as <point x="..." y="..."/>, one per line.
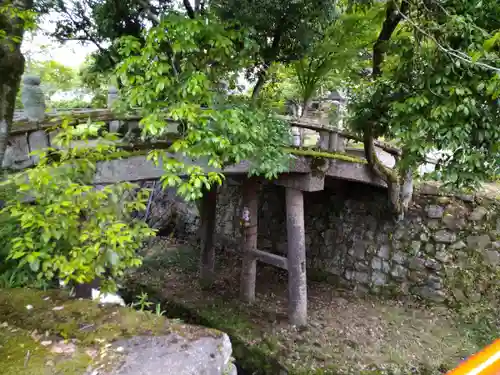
<point x="351" y="238"/>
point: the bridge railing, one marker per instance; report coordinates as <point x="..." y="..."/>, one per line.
<point x="328" y="138"/>
<point x="27" y="136"/>
<point x="305" y="132"/>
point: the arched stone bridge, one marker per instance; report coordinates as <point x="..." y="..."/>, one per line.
<point x="309" y="138"/>
<point x="346" y="161"/>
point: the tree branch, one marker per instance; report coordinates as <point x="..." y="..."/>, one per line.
<point x="394" y="15"/>
<point x="451" y="52"/>
<point x="149" y="13"/>
<point x="189" y="9"/>
<point x="273" y="52"/>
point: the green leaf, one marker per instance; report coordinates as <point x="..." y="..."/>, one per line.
<point x="35" y="265"/>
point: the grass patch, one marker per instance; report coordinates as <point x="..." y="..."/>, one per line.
<point x="54" y="312"/>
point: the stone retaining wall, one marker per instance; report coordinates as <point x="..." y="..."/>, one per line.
<point x="351" y="238"/>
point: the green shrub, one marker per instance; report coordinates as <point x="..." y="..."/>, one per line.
<point x="69" y="104"/>
<point x="60" y="225"/>
<point x="11" y="275"/>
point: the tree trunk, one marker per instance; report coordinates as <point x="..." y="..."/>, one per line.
<point x="306" y="105"/>
<point x="11" y="68"/>
<point x="399" y="197"/>
<point x="260" y="84"/>
<point x="271" y="56"/>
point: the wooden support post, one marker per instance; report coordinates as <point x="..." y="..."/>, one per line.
<point x="249" y="221"/>
<point x="207" y="215"/>
<point x="297" y="283"/>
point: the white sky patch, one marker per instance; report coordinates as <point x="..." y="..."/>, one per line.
<point x="39" y="46"/>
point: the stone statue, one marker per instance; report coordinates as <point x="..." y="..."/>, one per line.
<point x="33" y="98"/>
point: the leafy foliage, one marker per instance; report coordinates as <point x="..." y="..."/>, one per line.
<point x="101" y="22"/>
<point x="98" y="82"/>
<point x="68" y="228"/>
<point x="70" y="104"/>
<point x="181" y="73"/>
<point x="338" y="58"/>
<point x="282" y="88"/>
<point x="284" y="31"/>
<point x="439" y="89"/>
<point x="12" y="12"/>
<point x="11" y="275"/>
<point x="54" y="76"/>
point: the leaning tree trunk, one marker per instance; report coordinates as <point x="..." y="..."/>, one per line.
<point x="11" y="66"/>
<point x="399" y="183"/>
<point x="260" y="84"/>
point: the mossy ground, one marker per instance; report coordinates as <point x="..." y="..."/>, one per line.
<point x="347" y="334"/>
<point x="33" y="324"/>
<point x="21" y="354"/>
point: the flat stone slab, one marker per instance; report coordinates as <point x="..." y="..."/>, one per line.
<point x="174" y="354"/>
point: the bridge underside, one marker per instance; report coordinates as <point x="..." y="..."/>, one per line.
<point x="302" y="176"/>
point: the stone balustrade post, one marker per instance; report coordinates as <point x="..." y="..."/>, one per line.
<point x="296" y="136"/>
<point x="113" y="96"/>
<point x="33" y="98"/>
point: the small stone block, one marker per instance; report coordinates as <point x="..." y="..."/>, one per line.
<point x="38" y="140"/>
<point x="444" y="236"/>
<point x="434" y="211"/>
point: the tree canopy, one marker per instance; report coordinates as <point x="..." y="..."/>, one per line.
<point x="434" y="65"/>
<point x="434" y="86"/>
<point x="424" y="75"/>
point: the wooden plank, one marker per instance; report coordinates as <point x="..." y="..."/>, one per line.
<point x="271" y="259"/>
